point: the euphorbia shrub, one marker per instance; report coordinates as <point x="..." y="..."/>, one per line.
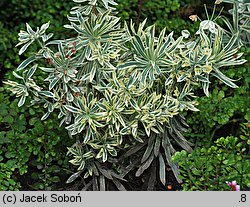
<point x="120" y="90"/>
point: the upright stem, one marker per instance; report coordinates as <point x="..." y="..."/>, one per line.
<point x="139" y="6"/>
<point x="40" y="43"/>
<point x="95" y="10"/>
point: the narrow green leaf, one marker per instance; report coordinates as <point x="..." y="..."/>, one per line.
<point x="151" y="75"/>
<point x="139" y="47"/>
<point x="69" y="97"/>
<point x="138" y="139"/>
<point x="235" y="15"/>
<point x="105" y="173"/>
<point x="230" y="63"/>
<point x="80" y="17"/>
<point x="134" y="104"/>
<point x="182" y="77"/>
<point x="202" y="78"/>
<point x="145" y="165"/>
<point x="125" y="130"/>
<point x="72" y="109"/>
<point x="29" y="29"/>
<point x="175" y="45"/>
<point x="92" y="73"/>
<point x="26" y="62"/>
<point x="53" y="82"/>
<point x="231" y="42"/>
<point x="21" y="101"/>
<point x="31" y="71"/>
<point x="77" y="28"/>
<point x="102" y="183"/>
<point x="229" y="25"/>
<point x="224" y="78"/>
<point x="61" y="50"/>
<point x="46" y="93"/>
<point x="73" y="177"/>
<point x="45" y="116"/>
<point x="165" y="45"/>
<point x="205" y="38"/>
<point x="17" y="76"/>
<point x="24" y="48"/>
<point x="44" y="27"/>
<point x="48" y="70"/>
<point x="205" y="86"/>
<point x="149" y="149"/>
<point x="162" y="170"/>
<point x="157" y="145"/>
<point x="145" y="74"/>
<point x="129" y="64"/>
<point x="118" y="184"/>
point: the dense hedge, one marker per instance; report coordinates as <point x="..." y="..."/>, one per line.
<point x="28" y="148"/>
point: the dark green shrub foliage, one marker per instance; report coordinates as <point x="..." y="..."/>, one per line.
<point x="221" y="112"/>
<point x="170" y="14"/>
<point x="30" y="148"/>
<point x="209" y="168"/>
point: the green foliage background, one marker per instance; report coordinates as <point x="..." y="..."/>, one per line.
<point x="32" y="152"/>
<point x="208" y="168"/>
<point x="36" y="150"/>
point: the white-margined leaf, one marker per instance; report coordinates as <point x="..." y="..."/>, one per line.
<point x="45" y="38"/>
<point x="45" y="116"/>
<point x="26" y="62"/>
<point x="72" y="109"/>
<point x="17" y="76"/>
<point x="48" y="70"/>
<point x="31" y="71"/>
<point x="224" y="78"/>
<point x="46" y="93"/>
<point x="53" y="82"/>
<point x="24" y="47"/>
<point x="44" y="27"/>
<point x="73" y="177"/>
<point x="21" y="101"/>
<point x="162" y="170"/>
<point x="30" y="30"/>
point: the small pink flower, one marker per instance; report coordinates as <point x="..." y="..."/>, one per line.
<point x="233" y="185"/>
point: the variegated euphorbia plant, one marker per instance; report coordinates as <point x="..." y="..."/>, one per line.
<point x="120" y="90"/>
